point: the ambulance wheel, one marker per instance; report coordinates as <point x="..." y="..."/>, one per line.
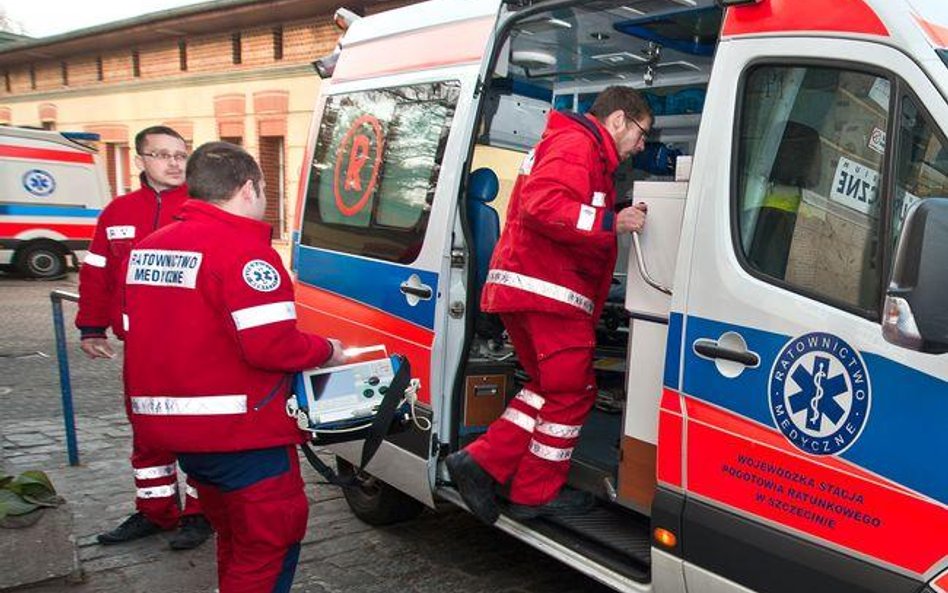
<point x="374" y="501"/>
<point x="41" y="260"/>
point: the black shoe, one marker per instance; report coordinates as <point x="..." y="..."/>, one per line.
<point x="135" y="527"/>
<point x="475" y="485"/>
<point x="567" y="502"/>
<point x="194" y="531"/>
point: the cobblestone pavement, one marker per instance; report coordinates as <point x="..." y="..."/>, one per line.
<point x="441" y="551"/>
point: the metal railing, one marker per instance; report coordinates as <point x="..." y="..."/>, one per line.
<point x="65" y="385"/>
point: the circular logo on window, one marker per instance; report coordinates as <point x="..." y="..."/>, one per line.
<point x="820" y="393"/>
<point x="39" y="183"/>
<point x="358" y="160"/>
<point x="259" y="275"/>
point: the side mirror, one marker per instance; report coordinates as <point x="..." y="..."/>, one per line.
<point x="916" y="310"/>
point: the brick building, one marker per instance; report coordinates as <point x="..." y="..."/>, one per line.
<point x="237" y="70"/>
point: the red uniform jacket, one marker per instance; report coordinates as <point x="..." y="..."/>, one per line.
<point x="124" y="222"/>
<point x="557" y="251"/>
<point x="212" y="336"/>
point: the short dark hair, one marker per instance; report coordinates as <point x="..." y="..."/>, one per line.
<point x="216" y="170"/>
<point x="155" y="131"/>
<point x="620" y="98"/>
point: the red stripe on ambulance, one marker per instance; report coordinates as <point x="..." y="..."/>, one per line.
<point x="771" y="16"/>
<point x="44" y="154"/>
<point x="829" y="499"/>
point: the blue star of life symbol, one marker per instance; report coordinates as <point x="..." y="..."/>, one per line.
<point x="819" y="393"/>
<point x="38" y="182"/>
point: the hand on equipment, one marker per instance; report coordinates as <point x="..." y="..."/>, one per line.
<point x="630" y="220"/>
<point x="339" y="354"/>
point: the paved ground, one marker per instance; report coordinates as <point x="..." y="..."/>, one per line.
<point x="444" y="551"/>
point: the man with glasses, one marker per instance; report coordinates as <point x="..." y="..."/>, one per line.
<point x="549" y="278"/>
<point x="161" y="154"/>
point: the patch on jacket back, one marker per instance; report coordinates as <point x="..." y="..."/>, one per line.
<point x="159" y="267"/>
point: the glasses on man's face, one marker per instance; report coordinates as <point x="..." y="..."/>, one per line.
<point x="645" y="132"/>
<point x="167" y="157"/>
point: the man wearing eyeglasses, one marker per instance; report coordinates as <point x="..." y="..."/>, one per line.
<point x="549" y="278"/>
<point x="161" y="155"/>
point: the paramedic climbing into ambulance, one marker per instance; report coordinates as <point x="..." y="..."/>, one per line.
<point x="211" y="346"/>
<point x="549" y="277"/>
<point x="161" y="154"/>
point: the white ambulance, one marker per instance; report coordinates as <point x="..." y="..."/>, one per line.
<point x="773" y="376"/>
<point x="52" y="188"/>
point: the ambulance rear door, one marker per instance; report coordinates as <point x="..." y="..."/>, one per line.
<point x="381" y="177"/>
<point x="813" y="456"/>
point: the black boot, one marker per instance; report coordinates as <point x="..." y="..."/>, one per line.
<point x="567" y="502"/>
<point x="194" y="531"/>
<point x="475" y="485"/>
<point x="135" y="527"/>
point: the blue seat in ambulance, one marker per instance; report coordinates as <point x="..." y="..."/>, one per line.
<point x="482" y="188"/>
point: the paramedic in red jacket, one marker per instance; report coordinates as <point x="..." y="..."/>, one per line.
<point x="210" y="348"/>
<point x="548" y="279"/>
<point x="161" y="154"/>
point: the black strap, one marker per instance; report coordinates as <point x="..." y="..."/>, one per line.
<point x="381" y="425"/>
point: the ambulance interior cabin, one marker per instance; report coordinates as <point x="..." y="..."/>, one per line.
<point x="559" y="60"/>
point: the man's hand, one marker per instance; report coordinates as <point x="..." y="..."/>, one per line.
<point x="338" y="353"/>
<point x="632" y="219"/>
<point x="97" y="348"/>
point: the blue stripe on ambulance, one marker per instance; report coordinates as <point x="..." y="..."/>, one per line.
<point x="673" y="351"/>
<point x="27" y="210"/>
<point x="368" y="281"/>
<point x="904" y="439"/>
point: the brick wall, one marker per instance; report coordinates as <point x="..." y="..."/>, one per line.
<point x="159" y="60"/>
<point x="303" y="41"/>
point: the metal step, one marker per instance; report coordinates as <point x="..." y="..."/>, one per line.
<point x="610" y="535"/>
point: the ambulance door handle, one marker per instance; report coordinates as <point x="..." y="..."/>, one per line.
<point x="730" y="347"/>
<point x="414" y="290"/>
<point x="422" y="293"/>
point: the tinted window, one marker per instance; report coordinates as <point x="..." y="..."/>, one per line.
<point x="375" y="169"/>
<point x="812" y="143"/>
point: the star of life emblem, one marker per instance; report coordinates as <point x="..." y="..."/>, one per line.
<point x="259" y="275"/>
<point x="819" y="393"/>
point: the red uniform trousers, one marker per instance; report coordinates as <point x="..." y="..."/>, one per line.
<point x="156" y="488"/>
<point x="532" y="443"/>
<point x="256" y="504"/>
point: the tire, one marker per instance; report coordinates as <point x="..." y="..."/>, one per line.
<point x="375" y="502"/>
<point x="42" y="260"/>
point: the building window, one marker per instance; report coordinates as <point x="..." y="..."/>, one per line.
<point x="49" y="125"/>
<point x="136" y="64"/>
<point x="183" y="55"/>
<point x="6" y="81"/>
<point x="32" y="77"/>
<point x="273" y="166"/>
<point x="64" y="71"/>
<point x="233" y="140"/>
<point x="235" y="48"/>
<point x="99" y="70"/>
<point x="278" y="43"/>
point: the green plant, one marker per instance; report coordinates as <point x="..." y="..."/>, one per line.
<point x="25" y="493"/>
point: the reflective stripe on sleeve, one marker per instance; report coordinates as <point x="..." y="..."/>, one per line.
<point x="264" y="314"/>
<point x="541" y="288"/>
<point x="151" y="473"/>
<point x="562" y="431"/>
<point x="156" y="492"/>
<point x="550" y="453"/>
<point x="191" y="491"/>
<point x="530" y="398"/>
<point x="209" y="405"/>
<point x="124" y="322"/>
<point x="95" y="260"/>
<point x="517" y="417"/>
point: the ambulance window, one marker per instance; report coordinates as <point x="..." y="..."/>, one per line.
<point x="921" y="165"/>
<point x="375" y="169"/>
<point x="811" y="153"/>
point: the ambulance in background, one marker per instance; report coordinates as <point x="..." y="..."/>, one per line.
<point x="52" y="188"/>
<point x="773" y="365"/>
